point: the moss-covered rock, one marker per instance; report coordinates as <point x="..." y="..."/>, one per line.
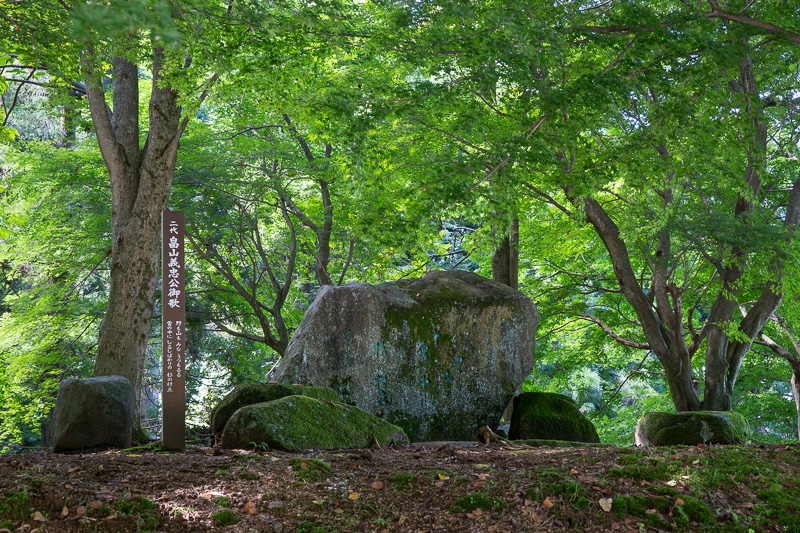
<point x="439" y="356"/>
<point x="709" y="427"/>
<point x="297" y="422"/>
<point x="252" y="393"/>
<point x="544" y="415"/>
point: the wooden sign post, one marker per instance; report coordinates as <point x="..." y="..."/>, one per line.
<point x="173" y="330"/>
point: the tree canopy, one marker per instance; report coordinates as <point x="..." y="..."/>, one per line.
<point x="637" y="164"/>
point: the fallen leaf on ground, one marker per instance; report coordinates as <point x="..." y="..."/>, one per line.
<point x="671" y="483"/>
<point x="482" y="477"/>
<point x="477" y="512"/>
<point x="65" y="511"/>
<point x="479" y="485"/>
<point x="72" y="470"/>
<point x="605" y="504"/>
<point x="547" y="503"/>
<point x="402" y="519"/>
<point x="442" y="476"/>
<point x="679" y="501"/>
<point x="481" y="467"/>
<point x="439" y="483"/>
<point x="378" y="485"/>
<point x="95" y="504"/>
<point x="39" y="517"/>
<point x="573" y="471"/>
<point x="211" y="494"/>
<point x="249" y="508"/>
<point x="80" y="511"/>
<point x="354" y="496"/>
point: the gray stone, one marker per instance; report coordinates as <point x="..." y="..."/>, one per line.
<point x="439" y="356"/>
<point x="297" y="422"/>
<point x="548" y="416"/>
<point x="93" y="413"/>
<point x="250" y="393"/>
<point x="691" y="428"/>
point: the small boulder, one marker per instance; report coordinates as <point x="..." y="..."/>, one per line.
<point x="93" y="413"/>
<point x="544" y="415"/>
<point x="250" y="393"/>
<point x="691" y="428"/>
<point x="439" y="356"/>
<point x="296" y="422"/>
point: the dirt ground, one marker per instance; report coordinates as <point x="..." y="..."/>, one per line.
<point x="434" y="487"/>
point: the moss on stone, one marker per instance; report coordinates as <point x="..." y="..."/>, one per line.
<point x="252" y="393"/>
<point x="298" y="422"/>
<point x="542" y="415"/>
<point x="710" y="427"/>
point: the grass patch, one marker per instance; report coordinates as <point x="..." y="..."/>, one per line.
<point x="223" y="501"/>
<point x="246" y="474"/>
<point x="693" y="510"/>
<point x="309" y="469"/>
<point x="226" y="517"/>
<point x="133" y="505"/>
<point x="402" y="480"/>
<point x="644" y="472"/>
<point x="477" y="500"/>
<point x="629" y="505"/>
<point x="154" y="446"/>
<point x="782" y="503"/>
<point x="14" y="507"/>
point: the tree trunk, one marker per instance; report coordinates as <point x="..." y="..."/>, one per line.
<point x="505" y="261"/>
<point x="140" y="180"/>
<point x="796" y="393"/>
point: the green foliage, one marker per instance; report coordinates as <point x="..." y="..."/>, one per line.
<point x="226" y="517"/>
<point x="310" y="469"/>
<point x="478" y="500"/>
<point x="15" y="507"/>
<point x="402" y="480"/>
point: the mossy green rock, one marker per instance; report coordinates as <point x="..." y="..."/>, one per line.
<point x="697" y="427"/>
<point x="298" y="422"/>
<point x="439" y="356"/>
<point x="544" y="415"/>
<point x="252" y="393"/>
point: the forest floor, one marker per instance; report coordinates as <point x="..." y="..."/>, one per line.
<point x="447" y="487"/>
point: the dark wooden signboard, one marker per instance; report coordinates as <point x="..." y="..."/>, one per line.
<point x="173" y="328"/>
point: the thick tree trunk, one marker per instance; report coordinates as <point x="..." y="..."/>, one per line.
<point x="140" y="180"/>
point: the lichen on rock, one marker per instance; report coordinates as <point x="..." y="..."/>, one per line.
<point x="252" y="393"/>
<point x="438" y="356"/>
<point x="296" y="422"/>
<point x="691" y="428"/>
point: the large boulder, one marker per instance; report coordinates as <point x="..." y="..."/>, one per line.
<point x="93" y="413"/>
<point x="297" y="422"/>
<point x="438" y="356"/>
<point x="692" y="428"/>
<point x="544" y="415"/>
<point x="250" y="393"/>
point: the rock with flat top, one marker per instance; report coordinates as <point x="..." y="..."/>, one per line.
<point x="93" y="413"/>
<point x="439" y="356"/>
